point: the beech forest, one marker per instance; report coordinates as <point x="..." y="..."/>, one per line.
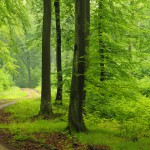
<point x="74" y="75"/>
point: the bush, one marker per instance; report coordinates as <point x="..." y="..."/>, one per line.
<point x="5" y="80"/>
<point x="145" y="86"/>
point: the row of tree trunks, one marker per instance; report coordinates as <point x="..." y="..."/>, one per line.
<point x="77" y="93"/>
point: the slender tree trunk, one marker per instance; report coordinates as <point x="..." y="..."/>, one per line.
<point x="101" y="43"/>
<point x="77" y="95"/>
<point x="46" y="107"/>
<point x="29" y="70"/>
<point x="27" y="62"/>
<point x="58" y="53"/>
<point x="29" y="77"/>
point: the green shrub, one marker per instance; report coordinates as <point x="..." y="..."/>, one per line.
<point x="5" y="80"/>
<point x="145" y="86"/>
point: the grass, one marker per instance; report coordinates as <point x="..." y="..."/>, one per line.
<point x="23" y="115"/>
<point x="38" y="126"/>
<point x="108" y="136"/>
<point x="12" y="93"/>
<point x="101" y="131"/>
<point x="38" y="88"/>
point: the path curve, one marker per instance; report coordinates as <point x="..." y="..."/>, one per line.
<point x="31" y="93"/>
<point x="6" y="104"/>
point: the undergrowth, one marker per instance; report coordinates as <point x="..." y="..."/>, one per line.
<point x="125" y="125"/>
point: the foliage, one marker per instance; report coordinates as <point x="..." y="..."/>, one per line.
<point x="13" y="20"/>
<point x="6" y="80"/>
<point x="145" y="86"/>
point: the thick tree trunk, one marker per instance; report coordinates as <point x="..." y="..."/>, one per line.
<point x="46" y="107"/>
<point x="87" y="22"/>
<point x="58" y="53"/>
<point x="101" y="43"/>
<point x="77" y="95"/>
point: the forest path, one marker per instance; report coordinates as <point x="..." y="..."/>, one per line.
<point x="2" y="147"/>
<point x="31" y="93"/>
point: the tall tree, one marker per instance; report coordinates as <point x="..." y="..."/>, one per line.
<point x="77" y="95"/>
<point x="87" y="30"/>
<point x="101" y="43"/>
<point x="58" y="52"/>
<point x="46" y="107"/>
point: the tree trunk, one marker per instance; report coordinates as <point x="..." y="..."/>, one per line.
<point x="46" y="107"/>
<point x="101" y="43"/>
<point x="87" y="27"/>
<point x="77" y="95"/>
<point x="87" y="42"/>
<point x="58" y="53"/>
<point x="29" y="70"/>
<point x="29" y="77"/>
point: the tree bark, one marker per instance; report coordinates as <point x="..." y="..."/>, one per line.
<point x="101" y="43"/>
<point x="58" y="53"/>
<point x="46" y="107"/>
<point x="87" y="26"/>
<point x="77" y="95"/>
<point x="87" y="34"/>
<point x="29" y="70"/>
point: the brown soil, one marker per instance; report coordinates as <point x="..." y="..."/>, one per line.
<point x="4" y="117"/>
<point x="41" y="141"/>
<point x="45" y="141"/>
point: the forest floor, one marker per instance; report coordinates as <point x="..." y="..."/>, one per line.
<point x="36" y="141"/>
<point x="4" y="117"/>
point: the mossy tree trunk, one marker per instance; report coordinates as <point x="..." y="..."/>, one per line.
<point x="58" y="53"/>
<point x="77" y="94"/>
<point x="46" y="107"/>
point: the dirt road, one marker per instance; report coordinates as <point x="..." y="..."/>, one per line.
<point x="2" y="147"/>
<point x="31" y="93"/>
